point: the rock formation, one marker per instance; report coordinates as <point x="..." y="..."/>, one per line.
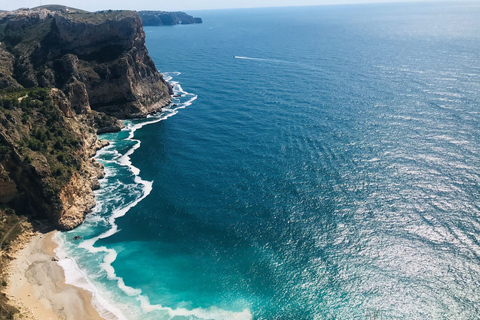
<point x="64" y="75"/>
<point x="98" y="59"/>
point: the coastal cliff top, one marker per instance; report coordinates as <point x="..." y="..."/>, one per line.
<point x="77" y="15"/>
<point x="149" y="17"/>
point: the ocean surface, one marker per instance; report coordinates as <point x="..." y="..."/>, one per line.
<point x="320" y="163"/>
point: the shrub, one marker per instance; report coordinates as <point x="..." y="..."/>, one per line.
<point x="7" y="104"/>
<point x="4" y="152"/>
<point x="58" y="145"/>
<point x="38" y="94"/>
<point x="35" y="144"/>
<point x="25" y="118"/>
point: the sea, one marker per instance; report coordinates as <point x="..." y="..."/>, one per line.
<point x="316" y="163"/>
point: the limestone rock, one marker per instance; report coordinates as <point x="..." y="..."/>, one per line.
<point x="62" y="102"/>
<point x="77" y="199"/>
<point x="92" y="67"/>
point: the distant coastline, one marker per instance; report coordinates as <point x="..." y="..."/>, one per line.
<point x="165" y="18"/>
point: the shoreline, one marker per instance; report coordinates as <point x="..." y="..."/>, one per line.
<point x="36" y="284"/>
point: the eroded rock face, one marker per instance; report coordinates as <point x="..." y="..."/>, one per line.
<point x="62" y="102"/>
<point x="99" y="60"/>
<point x="6" y="69"/>
<point x="94" y="63"/>
<point x="111" y="60"/>
<point x="54" y="180"/>
<point x="77" y="200"/>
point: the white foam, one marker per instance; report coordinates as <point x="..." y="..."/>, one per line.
<point x="212" y="313"/>
<point x="75" y="276"/>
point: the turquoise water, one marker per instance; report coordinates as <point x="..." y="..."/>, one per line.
<point x="321" y="163"/>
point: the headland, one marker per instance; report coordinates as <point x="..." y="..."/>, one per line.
<point x="66" y="75"/>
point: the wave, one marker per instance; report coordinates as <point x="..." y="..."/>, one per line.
<point x="76" y="276"/>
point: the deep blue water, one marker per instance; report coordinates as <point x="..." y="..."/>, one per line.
<point x="325" y="166"/>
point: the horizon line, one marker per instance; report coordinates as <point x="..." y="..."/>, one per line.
<point x="266" y="7"/>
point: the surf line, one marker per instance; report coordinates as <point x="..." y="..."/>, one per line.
<point x="78" y="277"/>
<point x="73" y="273"/>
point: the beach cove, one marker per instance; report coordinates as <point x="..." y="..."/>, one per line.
<point x="37" y="284"/>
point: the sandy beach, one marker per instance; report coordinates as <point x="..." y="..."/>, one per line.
<point x="37" y="285"/>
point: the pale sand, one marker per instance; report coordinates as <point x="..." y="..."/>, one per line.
<point x="37" y="285"/>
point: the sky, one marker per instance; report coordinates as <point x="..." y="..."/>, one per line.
<point x="176" y="5"/>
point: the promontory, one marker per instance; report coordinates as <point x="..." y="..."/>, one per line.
<point x="66" y="75"/>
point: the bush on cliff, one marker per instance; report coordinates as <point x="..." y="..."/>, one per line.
<point x="41" y="132"/>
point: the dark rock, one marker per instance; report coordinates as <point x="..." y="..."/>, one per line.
<point x="91" y="68"/>
<point x="99" y="60"/>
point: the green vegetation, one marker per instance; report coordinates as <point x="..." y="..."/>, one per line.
<point x="59" y="8"/>
<point x="44" y="132"/>
<point x="27" y="34"/>
<point x="100" y="16"/>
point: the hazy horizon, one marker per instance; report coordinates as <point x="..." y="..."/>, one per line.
<point x="185" y="5"/>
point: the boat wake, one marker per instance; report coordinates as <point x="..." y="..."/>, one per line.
<point x="263" y="59"/>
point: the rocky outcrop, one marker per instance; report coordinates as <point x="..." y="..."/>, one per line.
<point x="63" y="78"/>
<point x="6" y="69"/>
<point x="164" y="18"/>
<point x="46" y="164"/>
<point x="99" y="60"/>
<point x="77" y="199"/>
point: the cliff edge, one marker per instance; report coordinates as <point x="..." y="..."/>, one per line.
<point x="98" y="59"/>
<point x="65" y="75"/>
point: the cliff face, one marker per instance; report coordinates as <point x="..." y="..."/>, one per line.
<point x="62" y="78"/>
<point x="45" y="156"/>
<point x="103" y="54"/>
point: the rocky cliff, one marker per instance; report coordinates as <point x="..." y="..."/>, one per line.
<point x="97" y="59"/>
<point x="164" y="18"/>
<point x="64" y="74"/>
